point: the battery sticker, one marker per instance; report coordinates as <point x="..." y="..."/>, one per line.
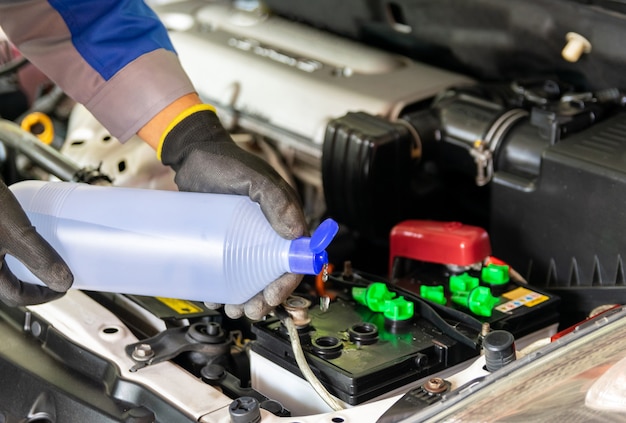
<point x="521" y="297"/>
<point x="180" y="306"/>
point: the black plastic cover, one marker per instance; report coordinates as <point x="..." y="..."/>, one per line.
<point x="564" y="229"/>
<point x="366" y="169"/>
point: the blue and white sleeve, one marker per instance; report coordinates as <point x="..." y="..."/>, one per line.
<point x="113" y="56"/>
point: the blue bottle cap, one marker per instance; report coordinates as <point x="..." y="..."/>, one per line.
<point x="307" y="255"/>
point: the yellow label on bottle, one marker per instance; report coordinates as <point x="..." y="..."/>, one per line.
<point x="180" y="306"/>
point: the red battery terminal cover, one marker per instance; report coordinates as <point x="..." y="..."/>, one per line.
<point x="439" y="242"/>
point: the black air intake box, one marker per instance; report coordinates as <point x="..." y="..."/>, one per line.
<point x="565" y="230"/>
<point x="366" y="171"/>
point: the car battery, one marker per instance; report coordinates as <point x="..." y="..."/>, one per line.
<point x="358" y="351"/>
<point x="378" y="334"/>
<point x="449" y="264"/>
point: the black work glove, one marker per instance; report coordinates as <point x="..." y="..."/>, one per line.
<point x="206" y="159"/>
<point x="20" y="239"/>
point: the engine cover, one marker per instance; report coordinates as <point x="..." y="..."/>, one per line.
<point x="287" y="80"/>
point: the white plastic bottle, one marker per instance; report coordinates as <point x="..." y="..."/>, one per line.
<point x="195" y="246"/>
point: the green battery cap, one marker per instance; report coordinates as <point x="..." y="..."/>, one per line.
<point x="479" y="300"/>
<point x="433" y="293"/>
<point x="378" y="298"/>
<point x="495" y="274"/>
<point x="398" y="309"/>
<point x="374" y="296"/>
<point x="463" y="282"/>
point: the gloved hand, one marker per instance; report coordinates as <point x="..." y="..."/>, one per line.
<point x="20" y="239"/>
<point x="206" y="159"/>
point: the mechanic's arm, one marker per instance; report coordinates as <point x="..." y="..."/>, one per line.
<point x="116" y="58"/>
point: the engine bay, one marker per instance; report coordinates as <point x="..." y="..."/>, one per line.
<point x="473" y="156"/>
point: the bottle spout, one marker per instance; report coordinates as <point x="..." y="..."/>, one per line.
<point x="307" y="255"/>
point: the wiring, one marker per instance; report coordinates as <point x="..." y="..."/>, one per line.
<point x="305" y="369"/>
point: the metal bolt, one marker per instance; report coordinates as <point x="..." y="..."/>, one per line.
<point x="436" y="385"/>
<point x="213" y="328"/>
<point x="324" y="303"/>
<point x="298" y="308"/>
<point x="485" y="329"/>
<point x="245" y="410"/>
<point x="143" y="352"/>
